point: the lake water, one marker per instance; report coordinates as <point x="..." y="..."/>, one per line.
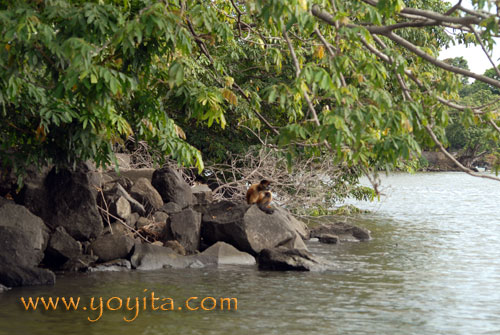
<point x="433" y="267"/>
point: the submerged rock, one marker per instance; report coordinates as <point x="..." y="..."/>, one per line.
<point x="284" y="259"/>
<point x="344" y="231"/>
<point x="328" y="239"/>
<point x="112" y="266"/>
<point x="3" y="288"/>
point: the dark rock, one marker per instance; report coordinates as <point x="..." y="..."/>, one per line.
<point x="73" y="204"/>
<point x="202" y="194"/>
<point x="283" y="259"/>
<point x="185" y="227"/>
<point x="135" y="205"/>
<point x="170" y="208"/>
<point x="81" y="263"/>
<point x="133" y="174"/>
<point x="62" y="247"/>
<point x="120" y="208"/>
<point x="247" y="228"/>
<point x="17" y="246"/>
<point x="225" y="254"/>
<point x="34" y="194"/>
<point x="21" y="219"/>
<point x="132" y="219"/>
<point x="114" y="266"/>
<point x="20" y="274"/>
<point x="328" y="239"/>
<point x="160" y="217"/>
<point x="175" y="246"/>
<point x="344" y="231"/>
<point x="146" y="194"/>
<point x="112" y="246"/>
<point x="153" y="257"/>
<point x="172" y="187"/>
<point x="4" y="201"/>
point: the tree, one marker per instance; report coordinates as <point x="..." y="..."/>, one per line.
<point x="358" y="81"/>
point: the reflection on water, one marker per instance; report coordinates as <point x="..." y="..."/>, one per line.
<point x="433" y="267"/>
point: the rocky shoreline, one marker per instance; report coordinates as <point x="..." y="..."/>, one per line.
<point x="143" y="219"/>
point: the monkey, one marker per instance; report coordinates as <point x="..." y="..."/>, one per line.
<point x="259" y="194"/>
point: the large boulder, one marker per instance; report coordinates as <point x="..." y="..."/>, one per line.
<point x="19" y="258"/>
<point x="62" y="247"/>
<point x="344" y="231"/>
<point x="112" y="246"/>
<point x="172" y="187"/>
<point x="298" y="226"/>
<point x="133" y="174"/>
<point x="284" y="259"/>
<point x="73" y="203"/>
<point x="21" y="219"/>
<point x="146" y="194"/>
<point x="184" y="227"/>
<point x="225" y="254"/>
<point x="246" y="227"/>
<point x="18" y="274"/>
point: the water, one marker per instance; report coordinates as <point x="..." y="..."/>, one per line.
<point x="433" y="267"/>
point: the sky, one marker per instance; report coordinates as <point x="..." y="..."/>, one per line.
<point x="478" y="62"/>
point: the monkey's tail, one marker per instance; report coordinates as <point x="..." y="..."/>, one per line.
<point x="266" y="209"/>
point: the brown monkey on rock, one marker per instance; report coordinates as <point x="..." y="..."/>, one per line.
<point x="259" y="194"/>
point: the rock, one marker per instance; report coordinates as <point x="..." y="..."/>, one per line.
<point x="120" y="208"/>
<point x="133" y="174"/>
<point x="344" y="231"/>
<point x="294" y="224"/>
<point x="185" y="227"/>
<point x="34" y="194"/>
<point x="4" y="201"/>
<point x="143" y="222"/>
<point x="20" y="218"/>
<point x="295" y="243"/>
<point x="328" y="239"/>
<point x="146" y="194"/>
<point x="225" y="254"/>
<point x="246" y="227"/>
<point x="81" y="263"/>
<point x="112" y="246"/>
<point x="202" y="194"/>
<point x="175" y="246"/>
<point x="135" y="205"/>
<point x="153" y="257"/>
<point x="18" y="247"/>
<point x="132" y="219"/>
<point x="170" y="208"/>
<point x="73" y="204"/>
<point x="19" y="274"/>
<point x="283" y="259"/>
<point x="3" y="288"/>
<point x="123" y="160"/>
<point x="172" y="187"/>
<point x="61" y="248"/>
<point x="160" y="217"/>
<point x="112" y="266"/>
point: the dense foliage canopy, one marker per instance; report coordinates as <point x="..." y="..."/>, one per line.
<point x="357" y="80"/>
